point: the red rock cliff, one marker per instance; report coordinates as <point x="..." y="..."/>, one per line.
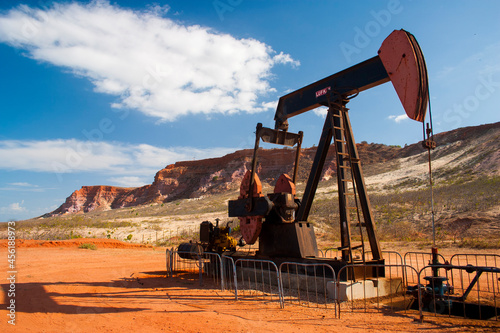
<point x="191" y="179"/>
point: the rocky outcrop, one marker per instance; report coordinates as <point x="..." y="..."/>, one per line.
<point x="89" y="198"/>
<point x="191" y="179"/>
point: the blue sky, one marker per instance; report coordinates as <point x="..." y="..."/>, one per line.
<point x="108" y="93"/>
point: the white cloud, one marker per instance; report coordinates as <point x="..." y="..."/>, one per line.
<point x="23" y="184"/>
<point x="283" y="58"/>
<point x="15" y="207"/>
<point x="270" y="105"/>
<point x="399" y="118"/>
<point x="68" y="156"/>
<point x="482" y="62"/>
<point x="321" y="111"/>
<point x="150" y="63"/>
<point x="129" y="181"/>
<point x="444" y="72"/>
<point x="23" y="187"/>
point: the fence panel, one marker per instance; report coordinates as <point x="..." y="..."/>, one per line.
<point x="391" y="258"/>
<point x="169" y="262"/>
<point x="258" y="279"/>
<point x="191" y="264"/>
<point x="371" y="293"/>
<point x="229" y="273"/>
<point x="467" y="259"/>
<point x="333" y="252"/>
<point x="474" y="291"/>
<point x="330" y="252"/>
<point x="418" y="260"/>
<point x="308" y="284"/>
<point x="474" y="294"/>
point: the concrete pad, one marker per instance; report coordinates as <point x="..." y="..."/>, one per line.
<point x="388" y="286"/>
<point x="349" y="290"/>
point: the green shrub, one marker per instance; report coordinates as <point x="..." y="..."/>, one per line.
<point x="88" y="246"/>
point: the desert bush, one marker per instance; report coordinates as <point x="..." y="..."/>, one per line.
<point x="404" y="213"/>
<point x="111" y="224"/>
<point x="155" y="227"/>
<point x="479" y="243"/>
<point x="88" y="246"/>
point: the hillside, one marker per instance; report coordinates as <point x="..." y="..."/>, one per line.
<point x="461" y="152"/>
<point x="466" y="168"/>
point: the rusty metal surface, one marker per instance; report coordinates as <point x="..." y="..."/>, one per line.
<point x="405" y="65"/>
<point x="245" y="184"/>
<point x="250" y="226"/>
<point x="284" y="184"/>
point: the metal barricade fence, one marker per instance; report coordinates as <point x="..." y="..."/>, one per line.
<point x="308" y="284"/>
<point x="191" y="264"/>
<point x="485" y="260"/>
<point x="333" y="252"/>
<point x="418" y="260"/>
<point x="258" y="279"/>
<point x="372" y="291"/>
<point x="477" y="297"/>
<point x="392" y="258"/>
<point x="475" y="293"/>
<point x="168" y="262"/>
<point x="330" y="252"/>
<point x="214" y="268"/>
<point x="229" y="274"/>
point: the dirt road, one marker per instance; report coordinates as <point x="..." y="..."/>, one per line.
<point x="122" y="288"/>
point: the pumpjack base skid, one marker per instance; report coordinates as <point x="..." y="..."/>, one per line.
<point x="296" y="242"/>
<point x="296" y="239"/>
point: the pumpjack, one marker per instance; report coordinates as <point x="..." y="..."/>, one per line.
<point x="279" y="220"/>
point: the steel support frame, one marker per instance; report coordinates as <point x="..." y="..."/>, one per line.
<point x="278" y="138"/>
<point x="338" y="113"/>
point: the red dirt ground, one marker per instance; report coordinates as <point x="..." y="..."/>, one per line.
<point x="101" y="243"/>
<point x="121" y="287"/>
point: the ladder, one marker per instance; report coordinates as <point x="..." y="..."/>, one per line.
<point x="354" y="206"/>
